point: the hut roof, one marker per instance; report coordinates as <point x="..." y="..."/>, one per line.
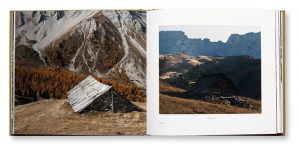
<point x="85" y="93"/>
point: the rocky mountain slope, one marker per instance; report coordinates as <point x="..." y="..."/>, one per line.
<point x="108" y="43"/>
<point x="172" y="42"/>
<point x="171" y="65"/>
<point x="244" y="71"/>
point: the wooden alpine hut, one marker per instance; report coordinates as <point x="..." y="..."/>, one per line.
<point x="92" y="95"/>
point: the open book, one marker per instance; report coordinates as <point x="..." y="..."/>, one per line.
<point x="157" y="72"/>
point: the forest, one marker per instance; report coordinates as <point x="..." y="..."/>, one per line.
<point x="45" y="83"/>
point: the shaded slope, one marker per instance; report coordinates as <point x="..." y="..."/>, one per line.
<point x="215" y="84"/>
<point x="244" y="71"/>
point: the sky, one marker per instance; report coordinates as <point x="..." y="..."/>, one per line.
<point x="213" y="32"/>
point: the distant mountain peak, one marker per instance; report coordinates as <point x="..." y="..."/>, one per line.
<point x="171" y="42"/>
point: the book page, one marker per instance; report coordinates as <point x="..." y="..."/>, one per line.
<point x="280" y="70"/>
<point x="211" y="72"/>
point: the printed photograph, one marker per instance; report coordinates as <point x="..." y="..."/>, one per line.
<point x="209" y="69"/>
<point x="79" y="72"/>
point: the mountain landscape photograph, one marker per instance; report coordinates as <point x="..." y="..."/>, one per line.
<point x="209" y="69"/>
<point x="79" y="72"/>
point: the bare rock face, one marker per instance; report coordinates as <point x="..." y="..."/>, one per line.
<point x="105" y="43"/>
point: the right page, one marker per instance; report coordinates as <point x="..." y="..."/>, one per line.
<point x="212" y="72"/>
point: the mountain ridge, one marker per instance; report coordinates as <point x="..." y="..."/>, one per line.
<point x="172" y="42"/>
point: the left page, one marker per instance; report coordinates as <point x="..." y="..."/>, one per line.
<point x="78" y="72"/>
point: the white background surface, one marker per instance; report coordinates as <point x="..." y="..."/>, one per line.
<point x="173" y="144"/>
<point x="213" y="124"/>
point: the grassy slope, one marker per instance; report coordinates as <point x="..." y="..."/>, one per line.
<point x="55" y="117"/>
<point x="177" y="105"/>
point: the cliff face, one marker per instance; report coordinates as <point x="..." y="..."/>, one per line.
<point x="172" y="42"/>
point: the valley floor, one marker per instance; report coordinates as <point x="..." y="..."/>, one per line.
<point x="170" y="102"/>
<point x="56" y="117"/>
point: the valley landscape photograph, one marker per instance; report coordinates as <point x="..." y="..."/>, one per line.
<point x="79" y="72"/>
<point x="207" y="69"/>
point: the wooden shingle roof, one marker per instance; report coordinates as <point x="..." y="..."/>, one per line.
<point x="85" y="93"/>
